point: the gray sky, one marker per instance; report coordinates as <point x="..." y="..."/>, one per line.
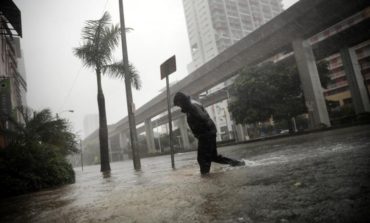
<point x="56" y="78"/>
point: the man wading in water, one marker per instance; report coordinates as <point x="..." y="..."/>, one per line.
<point x="204" y="130"/>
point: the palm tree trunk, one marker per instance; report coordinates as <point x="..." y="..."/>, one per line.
<point x="103" y="129"/>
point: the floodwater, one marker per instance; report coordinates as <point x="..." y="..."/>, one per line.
<point x="283" y="180"/>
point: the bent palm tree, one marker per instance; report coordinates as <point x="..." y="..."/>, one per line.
<point x="100" y="38"/>
<point x="41" y="128"/>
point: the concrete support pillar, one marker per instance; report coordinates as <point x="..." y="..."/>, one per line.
<point x="360" y="98"/>
<point x="310" y="81"/>
<point x="122" y="140"/>
<point x="123" y="143"/>
<point x="184" y="132"/>
<point x="110" y="149"/>
<point x="149" y="136"/>
<point x="240" y="136"/>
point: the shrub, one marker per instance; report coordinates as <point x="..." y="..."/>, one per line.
<point x="31" y="168"/>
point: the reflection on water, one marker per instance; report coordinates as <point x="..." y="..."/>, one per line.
<point x="160" y="189"/>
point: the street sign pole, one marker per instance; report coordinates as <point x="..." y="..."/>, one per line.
<point x="167" y="68"/>
<point x="170" y="122"/>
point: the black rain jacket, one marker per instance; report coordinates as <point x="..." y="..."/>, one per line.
<point x="199" y="121"/>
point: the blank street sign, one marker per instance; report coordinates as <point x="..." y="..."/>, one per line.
<point x="168" y="67"/>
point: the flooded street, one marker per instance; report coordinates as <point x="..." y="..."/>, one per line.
<point x="318" y="177"/>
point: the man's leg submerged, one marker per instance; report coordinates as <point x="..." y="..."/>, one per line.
<point x="222" y="159"/>
<point x="207" y="152"/>
<point x="204" y="163"/>
<point x="204" y="155"/>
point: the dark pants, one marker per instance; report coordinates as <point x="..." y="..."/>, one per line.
<point x="207" y="152"/>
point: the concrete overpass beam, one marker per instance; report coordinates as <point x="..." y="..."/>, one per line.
<point x="184" y="132"/>
<point x="310" y="80"/>
<point x="360" y="98"/>
<point x="149" y="136"/>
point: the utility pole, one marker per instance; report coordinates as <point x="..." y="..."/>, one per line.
<point x="130" y="106"/>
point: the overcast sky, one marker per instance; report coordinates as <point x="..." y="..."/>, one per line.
<point x="56" y="78"/>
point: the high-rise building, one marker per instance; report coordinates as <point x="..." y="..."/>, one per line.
<point x="91" y="123"/>
<point x="213" y="26"/>
<point x="338" y="90"/>
<point x="12" y="80"/>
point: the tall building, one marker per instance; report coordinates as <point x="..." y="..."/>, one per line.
<point x="91" y="123"/>
<point x="213" y="26"/>
<point x="12" y="80"/>
<point x="338" y="89"/>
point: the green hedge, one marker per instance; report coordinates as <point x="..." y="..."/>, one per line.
<point x="26" y="169"/>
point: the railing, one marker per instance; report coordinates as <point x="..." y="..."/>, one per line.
<point x="337" y="74"/>
<point x="336" y="85"/>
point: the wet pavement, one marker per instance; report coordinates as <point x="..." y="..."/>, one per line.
<point x="318" y="177"/>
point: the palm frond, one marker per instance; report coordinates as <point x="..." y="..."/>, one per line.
<point x="110" y="37"/>
<point x="135" y="78"/>
<point x="116" y="70"/>
<point x="93" y="27"/>
<point x="99" y="40"/>
<point x="87" y="54"/>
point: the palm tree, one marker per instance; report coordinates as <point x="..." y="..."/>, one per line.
<point x="100" y="38"/>
<point x="41" y="128"/>
<point x="35" y="156"/>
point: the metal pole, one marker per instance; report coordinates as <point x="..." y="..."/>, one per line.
<point x="170" y="121"/>
<point x="131" y="115"/>
<point x="82" y="162"/>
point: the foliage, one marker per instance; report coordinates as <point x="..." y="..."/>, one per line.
<point x="32" y="167"/>
<point x="269" y="90"/>
<point x="116" y="70"/>
<point x="100" y="39"/>
<point x="35" y="157"/>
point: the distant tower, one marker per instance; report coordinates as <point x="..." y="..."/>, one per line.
<point x="91" y="123"/>
<point x="214" y="25"/>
